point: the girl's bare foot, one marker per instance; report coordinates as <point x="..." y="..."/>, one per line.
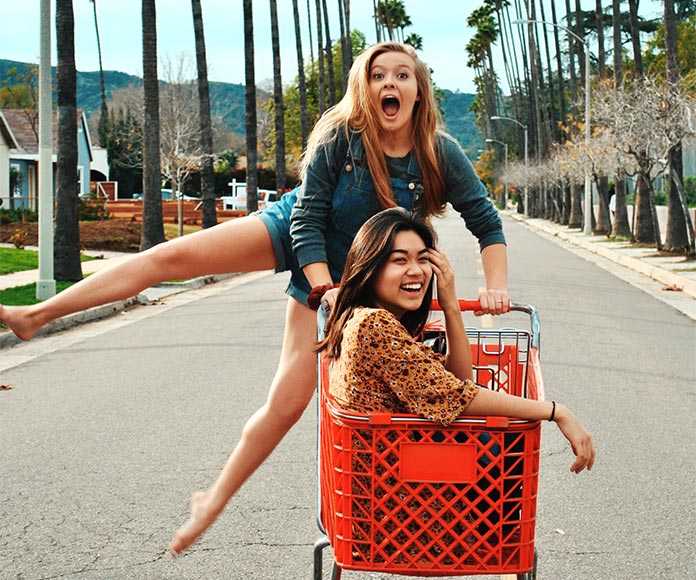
<point x="201" y="518"/>
<point x="19" y="321"/>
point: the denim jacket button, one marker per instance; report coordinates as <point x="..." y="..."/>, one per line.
<point x="412" y="185"/>
<point x="349" y="168"/>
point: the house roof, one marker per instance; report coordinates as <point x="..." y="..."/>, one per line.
<point x="7" y="133"/>
<point x="19" y="123"/>
<point x="24" y="126"/>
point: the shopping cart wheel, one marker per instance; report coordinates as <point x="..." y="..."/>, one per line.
<point x="532" y="574"/>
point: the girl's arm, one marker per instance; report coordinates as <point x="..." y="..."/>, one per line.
<point x="494" y="300"/>
<point x="503" y="405"/>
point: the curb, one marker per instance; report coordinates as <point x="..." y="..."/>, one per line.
<point x="8" y="339"/>
<point x="658" y="274"/>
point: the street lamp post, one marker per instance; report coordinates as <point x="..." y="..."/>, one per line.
<point x="587" y="230"/>
<point x="526" y="156"/>
<point x="46" y="285"/>
<point x="505" y="145"/>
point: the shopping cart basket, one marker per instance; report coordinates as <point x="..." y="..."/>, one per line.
<point x="403" y="495"/>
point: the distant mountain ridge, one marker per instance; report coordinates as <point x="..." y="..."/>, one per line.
<point x="227" y="101"/>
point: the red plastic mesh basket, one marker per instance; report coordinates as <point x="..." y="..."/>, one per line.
<point x="404" y="495"/>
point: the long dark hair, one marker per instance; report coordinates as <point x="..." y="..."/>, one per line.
<point x="368" y="253"/>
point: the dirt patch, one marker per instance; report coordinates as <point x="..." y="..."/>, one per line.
<point x="113" y="235"/>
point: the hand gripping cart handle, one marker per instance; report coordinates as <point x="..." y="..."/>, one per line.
<point x="399" y="494"/>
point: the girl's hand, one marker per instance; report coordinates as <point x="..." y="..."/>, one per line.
<point x="330" y="297"/>
<point x="446" y="292"/>
<point x="580" y="440"/>
<point x="493" y="302"/>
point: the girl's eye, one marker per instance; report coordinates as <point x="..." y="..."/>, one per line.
<point x="403" y="75"/>
<point x="377" y="76"/>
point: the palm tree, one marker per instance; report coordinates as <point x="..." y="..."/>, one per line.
<point x="152" y="232"/>
<point x="329" y="57"/>
<point x="603" y="217"/>
<point x="104" y="111"/>
<point x="301" y="82"/>
<point x="206" y="134"/>
<point x="677" y="239"/>
<point x="646" y="226"/>
<point x="346" y="52"/>
<point x="250" y="115"/>
<point x="321" y="89"/>
<point x="620" y="225"/>
<point x="278" y="102"/>
<point x="66" y="240"/>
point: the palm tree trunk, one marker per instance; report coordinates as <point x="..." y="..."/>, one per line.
<point x="559" y="66"/>
<point x="309" y="26"/>
<point x="301" y="81"/>
<point x="635" y="39"/>
<point x="152" y="232"/>
<point x="279" y="111"/>
<point x="329" y="58"/>
<point x="603" y="226"/>
<point x="104" y="111"/>
<point x="207" y="174"/>
<point x="321" y="90"/>
<point x="66" y="240"/>
<point x="553" y="132"/>
<point x="677" y="238"/>
<point x="620" y="226"/>
<point x="375" y="12"/>
<point x="250" y="115"/>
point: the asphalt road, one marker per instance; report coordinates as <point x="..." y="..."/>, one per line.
<point x="110" y="426"/>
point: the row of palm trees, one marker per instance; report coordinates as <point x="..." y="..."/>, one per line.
<point x="325" y="92"/>
<point x="546" y="101"/>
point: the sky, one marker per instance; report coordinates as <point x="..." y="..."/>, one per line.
<point x="441" y="23"/>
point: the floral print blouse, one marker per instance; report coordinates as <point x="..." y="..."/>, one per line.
<point x="383" y="368"/>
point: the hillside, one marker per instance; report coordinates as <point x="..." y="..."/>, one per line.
<point x="227" y="101"/>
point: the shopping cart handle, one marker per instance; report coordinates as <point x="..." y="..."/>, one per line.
<point x="464" y="305"/>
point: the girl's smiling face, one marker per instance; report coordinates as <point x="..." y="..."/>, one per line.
<point x="401" y="284"/>
<point x="394" y="91"/>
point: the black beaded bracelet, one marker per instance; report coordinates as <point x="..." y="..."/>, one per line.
<point x="553" y="411"/>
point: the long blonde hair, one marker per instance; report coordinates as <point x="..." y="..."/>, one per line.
<point x="356" y="112"/>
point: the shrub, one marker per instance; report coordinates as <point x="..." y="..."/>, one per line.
<point x="10" y="216"/>
<point x="19" y="239"/>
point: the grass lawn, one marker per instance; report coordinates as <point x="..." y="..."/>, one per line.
<point x="14" y="260"/>
<point x="25" y="295"/>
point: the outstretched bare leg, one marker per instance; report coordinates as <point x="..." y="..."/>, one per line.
<point x="241" y="245"/>
<point x="290" y="394"/>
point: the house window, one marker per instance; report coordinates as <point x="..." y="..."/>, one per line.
<point x="15" y="180"/>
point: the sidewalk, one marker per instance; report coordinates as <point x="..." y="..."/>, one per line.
<point x="676" y="275"/>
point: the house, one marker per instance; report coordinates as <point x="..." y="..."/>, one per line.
<point x="23" y="154"/>
<point x="7" y="142"/>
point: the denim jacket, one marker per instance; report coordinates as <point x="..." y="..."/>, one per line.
<point x="337" y="197"/>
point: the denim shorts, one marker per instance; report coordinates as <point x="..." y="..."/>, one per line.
<point x="277" y="221"/>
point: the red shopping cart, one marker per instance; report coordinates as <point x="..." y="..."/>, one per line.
<point x="402" y="495"/>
